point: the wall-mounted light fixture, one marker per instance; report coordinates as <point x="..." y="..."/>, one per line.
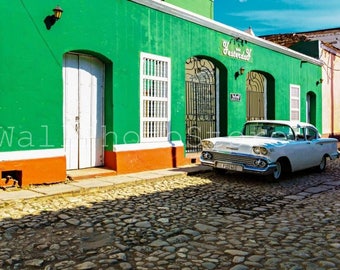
<point x="51" y="19"/>
<point x="302" y="62"/>
<point x="57" y="12"/>
<point x="319" y="81"/>
<point x="239" y="72"/>
<point x="240" y="41"/>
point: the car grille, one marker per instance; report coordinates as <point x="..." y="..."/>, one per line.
<point x="246" y="160"/>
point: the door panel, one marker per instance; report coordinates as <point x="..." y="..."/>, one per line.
<point x="298" y="151"/>
<point x="71" y="110"/>
<point x="84" y="82"/>
<point x="97" y="144"/>
<point x="256" y="96"/>
<point x="85" y="91"/>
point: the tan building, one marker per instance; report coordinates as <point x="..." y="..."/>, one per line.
<point x="325" y="46"/>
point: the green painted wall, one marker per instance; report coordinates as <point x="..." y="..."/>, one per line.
<point x="117" y="31"/>
<point x="202" y="7"/>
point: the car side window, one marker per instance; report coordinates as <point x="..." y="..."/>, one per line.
<point x="290" y="134"/>
<point x="283" y="132"/>
<point x="311" y="134"/>
<point x="300" y="134"/>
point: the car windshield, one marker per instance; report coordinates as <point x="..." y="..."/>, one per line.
<point x="272" y="130"/>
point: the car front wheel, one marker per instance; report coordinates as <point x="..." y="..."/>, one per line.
<point x="277" y="174"/>
<point x="278" y="171"/>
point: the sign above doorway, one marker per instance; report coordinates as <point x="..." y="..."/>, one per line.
<point x="236" y="50"/>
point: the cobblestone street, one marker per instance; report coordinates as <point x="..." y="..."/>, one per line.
<point x="201" y="221"/>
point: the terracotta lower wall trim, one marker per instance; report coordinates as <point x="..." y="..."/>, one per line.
<point x="37" y="171"/>
<point x="145" y="160"/>
<point x="53" y="170"/>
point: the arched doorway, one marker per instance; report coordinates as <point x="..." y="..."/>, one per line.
<point x="202" y="104"/>
<point x="260" y="88"/>
<point x="311" y="108"/>
<point x="83" y="110"/>
<point x="256" y="88"/>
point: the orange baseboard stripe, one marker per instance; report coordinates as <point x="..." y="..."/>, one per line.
<point x="145" y="160"/>
<point x="37" y="171"/>
<point x="53" y="169"/>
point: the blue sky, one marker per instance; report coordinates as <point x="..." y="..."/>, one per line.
<point x="278" y="16"/>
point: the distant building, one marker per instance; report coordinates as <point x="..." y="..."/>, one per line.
<point x="325" y="46"/>
<point x="329" y="36"/>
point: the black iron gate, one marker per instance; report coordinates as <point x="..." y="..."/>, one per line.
<point x="200" y="103"/>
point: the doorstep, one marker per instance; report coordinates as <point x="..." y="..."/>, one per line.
<point x="86" y="173"/>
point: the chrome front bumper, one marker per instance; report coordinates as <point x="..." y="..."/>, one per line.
<point x="240" y="163"/>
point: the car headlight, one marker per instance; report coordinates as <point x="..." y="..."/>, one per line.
<point x="260" y="150"/>
<point x="207" y="145"/>
<point x="207" y="155"/>
<point x="260" y="163"/>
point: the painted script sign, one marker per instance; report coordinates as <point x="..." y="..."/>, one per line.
<point x="235" y="50"/>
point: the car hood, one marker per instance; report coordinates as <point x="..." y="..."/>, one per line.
<point x="244" y="144"/>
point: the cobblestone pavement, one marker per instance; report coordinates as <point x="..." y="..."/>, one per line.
<point x="201" y="221"/>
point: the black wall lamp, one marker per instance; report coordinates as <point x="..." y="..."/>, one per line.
<point x="238" y="73"/>
<point x="51" y="19"/>
<point x="239" y="41"/>
<point x="302" y="62"/>
<point x="319" y="81"/>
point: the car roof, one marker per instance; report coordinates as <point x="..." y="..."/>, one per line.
<point x="293" y="124"/>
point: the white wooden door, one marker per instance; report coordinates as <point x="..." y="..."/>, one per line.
<point x="83" y="111"/>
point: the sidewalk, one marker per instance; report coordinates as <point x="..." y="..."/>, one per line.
<point x="92" y="183"/>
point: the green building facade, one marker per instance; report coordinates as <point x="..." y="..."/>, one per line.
<point x="134" y="85"/>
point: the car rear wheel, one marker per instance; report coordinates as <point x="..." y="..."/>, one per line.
<point x="322" y="166"/>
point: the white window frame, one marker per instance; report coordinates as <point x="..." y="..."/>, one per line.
<point x="295" y="107"/>
<point x="155" y="106"/>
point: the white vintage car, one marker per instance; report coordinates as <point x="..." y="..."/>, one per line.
<point x="270" y="147"/>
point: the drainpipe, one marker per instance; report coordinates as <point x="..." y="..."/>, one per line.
<point x="333" y="53"/>
<point x="332" y="93"/>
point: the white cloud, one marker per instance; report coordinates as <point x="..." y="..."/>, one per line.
<point x="315" y="4"/>
<point x="284" y="16"/>
<point x="297" y="20"/>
